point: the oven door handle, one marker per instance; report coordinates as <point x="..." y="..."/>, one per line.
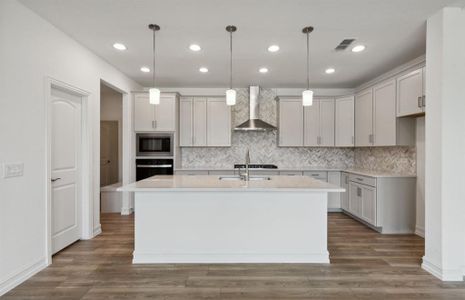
<point x="155" y="166"/>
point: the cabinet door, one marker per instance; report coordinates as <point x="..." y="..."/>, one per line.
<point x="345" y="122"/>
<point x="312" y="124"/>
<point x="143" y="113"/>
<point x="384" y="108"/>
<point x="165" y="114"/>
<point x="186" y="122"/>
<point x="326" y="123"/>
<point x="368" y="209"/>
<point x="423" y="74"/>
<point x="409" y="93"/>
<point x="345" y="195"/>
<point x="354" y="199"/>
<point x="364" y="118"/>
<point x="218" y="122"/>
<point x="291" y="123"/>
<point x="200" y="122"/>
<point x="334" y="199"/>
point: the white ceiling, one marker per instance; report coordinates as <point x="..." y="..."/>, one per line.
<point x="393" y="31"/>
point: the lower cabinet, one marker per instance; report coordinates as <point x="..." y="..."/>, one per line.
<point x="345" y="195"/>
<point x="362" y="202"/>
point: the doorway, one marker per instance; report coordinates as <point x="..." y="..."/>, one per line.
<point x="111" y="117"/>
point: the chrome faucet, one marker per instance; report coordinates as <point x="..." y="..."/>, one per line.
<point x="246" y="175"/>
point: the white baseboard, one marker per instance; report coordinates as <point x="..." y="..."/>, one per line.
<point x="420" y="231"/>
<point x="97" y="230"/>
<point x="201" y="258"/>
<point x="126" y="211"/>
<point x="444" y="275"/>
<point x="334" y="209"/>
<point x="21" y="276"/>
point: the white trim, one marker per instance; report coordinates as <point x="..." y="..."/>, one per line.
<point x="201" y="258"/>
<point x="97" y="230"/>
<point x="420" y="231"/>
<point x="335" y="209"/>
<point x="86" y="163"/>
<point x="23" y="275"/>
<point x="444" y="275"/>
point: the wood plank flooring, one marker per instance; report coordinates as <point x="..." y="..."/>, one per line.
<point x="365" y="265"/>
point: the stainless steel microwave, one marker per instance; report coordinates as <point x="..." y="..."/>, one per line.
<point x="154" y="144"/>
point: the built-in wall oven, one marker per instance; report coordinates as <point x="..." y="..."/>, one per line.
<point x="146" y="168"/>
<point x="154" y="144"/>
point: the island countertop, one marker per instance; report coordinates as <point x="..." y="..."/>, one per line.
<point x="190" y="183"/>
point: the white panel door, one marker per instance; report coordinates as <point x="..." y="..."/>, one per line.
<point x="291" y="124"/>
<point x="65" y="169"/>
<point x="144" y="114"/>
<point x="344" y="130"/>
<point x="326" y="123"/>
<point x="186" y="122"/>
<point x="409" y="93"/>
<point x="200" y="122"/>
<point x="364" y="118"/>
<point x="384" y="111"/>
<point x="165" y="114"/>
<point x="218" y="122"/>
<point x="312" y="124"/>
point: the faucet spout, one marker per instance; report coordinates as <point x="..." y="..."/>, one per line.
<point x="247" y="163"/>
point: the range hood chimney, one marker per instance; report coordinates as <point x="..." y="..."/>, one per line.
<point x="254" y="123"/>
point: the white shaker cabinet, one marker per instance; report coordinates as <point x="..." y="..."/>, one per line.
<point x="410" y="93"/>
<point x="161" y="117"/>
<point x="204" y="122"/>
<point x="364" y="118"/>
<point x="345" y="195"/>
<point x="384" y="111"/>
<point x="291" y="123"/>
<point x="344" y="120"/>
<point x="319" y="123"/>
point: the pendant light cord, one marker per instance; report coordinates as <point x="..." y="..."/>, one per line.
<point x="230" y="60"/>
<point x="308" y="63"/>
<point x="153" y="58"/>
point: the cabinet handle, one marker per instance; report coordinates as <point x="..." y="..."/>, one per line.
<point x="423" y="101"/>
<point x="419" y="101"/>
<point x="359" y="179"/>
<point x="359" y="192"/>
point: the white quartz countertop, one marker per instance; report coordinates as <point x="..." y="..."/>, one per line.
<point x="369" y="173"/>
<point x="184" y="183"/>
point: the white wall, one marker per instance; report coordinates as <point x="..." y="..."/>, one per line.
<point x="420" y="149"/>
<point x="32" y="49"/>
<point x="445" y="145"/>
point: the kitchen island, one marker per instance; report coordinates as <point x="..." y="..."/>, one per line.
<point x="213" y="219"/>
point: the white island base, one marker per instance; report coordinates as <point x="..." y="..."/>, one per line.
<point x="230" y="227"/>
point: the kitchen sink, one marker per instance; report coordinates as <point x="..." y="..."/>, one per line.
<point x="238" y="178"/>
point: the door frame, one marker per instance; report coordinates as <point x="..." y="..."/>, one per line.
<point x="85" y="163"/>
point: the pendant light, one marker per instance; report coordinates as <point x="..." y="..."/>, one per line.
<point x="154" y="93"/>
<point x="230" y="94"/>
<point x="307" y="95"/>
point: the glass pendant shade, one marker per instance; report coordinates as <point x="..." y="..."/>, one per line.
<point x="154" y="96"/>
<point x="230" y="97"/>
<point x="307" y="98"/>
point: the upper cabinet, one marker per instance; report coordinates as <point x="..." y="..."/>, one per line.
<point x="204" y="122"/>
<point x="291" y="122"/>
<point x="376" y="123"/>
<point x="411" y="93"/>
<point x="344" y="122"/>
<point x="161" y="117"/>
<point x="310" y="126"/>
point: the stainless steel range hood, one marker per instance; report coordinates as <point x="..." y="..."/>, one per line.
<point x="254" y="123"/>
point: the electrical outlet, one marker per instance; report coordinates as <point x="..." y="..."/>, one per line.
<point x="13" y="170"/>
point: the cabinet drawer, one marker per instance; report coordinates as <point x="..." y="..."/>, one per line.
<point x="193" y="172"/>
<point x="321" y="175"/>
<point x="363" y="179"/>
<point x="290" y="173"/>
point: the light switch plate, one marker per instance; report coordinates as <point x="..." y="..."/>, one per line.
<point x="13" y="170"/>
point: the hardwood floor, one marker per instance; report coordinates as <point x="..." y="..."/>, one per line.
<point x="365" y="265"/>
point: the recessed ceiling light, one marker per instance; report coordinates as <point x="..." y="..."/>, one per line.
<point x="203" y="70"/>
<point x="358" y="48"/>
<point x="119" y="46"/>
<point x="263" y="70"/>
<point x="330" y="70"/>
<point x="145" y="69"/>
<point x="273" y="48"/>
<point x="195" y="47"/>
